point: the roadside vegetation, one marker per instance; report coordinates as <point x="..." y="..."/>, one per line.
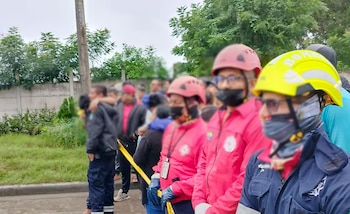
<point x="43" y="147"/>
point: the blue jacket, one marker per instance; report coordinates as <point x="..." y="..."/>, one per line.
<point x="336" y="122"/>
<point x="320" y="183"/>
<point x="159" y="124"/>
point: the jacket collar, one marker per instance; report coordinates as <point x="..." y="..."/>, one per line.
<point x="329" y="160"/>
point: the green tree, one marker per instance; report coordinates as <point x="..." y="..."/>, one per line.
<point x="99" y="45"/>
<point x="48" y="59"/>
<point x="334" y="22"/>
<point x="137" y="63"/>
<point x="271" y="27"/>
<point x="43" y="64"/>
<point x="11" y="58"/>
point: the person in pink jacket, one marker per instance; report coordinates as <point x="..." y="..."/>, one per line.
<point x="182" y="144"/>
<point x="234" y="132"/>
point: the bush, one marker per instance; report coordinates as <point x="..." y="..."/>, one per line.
<point x="66" y="133"/>
<point x="31" y="123"/>
<point x="67" y="109"/>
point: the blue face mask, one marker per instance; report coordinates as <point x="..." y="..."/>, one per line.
<point x="281" y="127"/>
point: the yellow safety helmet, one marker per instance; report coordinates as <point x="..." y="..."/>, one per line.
<point x="298" y="72"/>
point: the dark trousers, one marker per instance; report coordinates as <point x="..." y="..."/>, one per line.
<point x="101" y="183"/>
<point x="125" y="166"/>
<point x="183" y="207"/>
<point x="125" y="170"/>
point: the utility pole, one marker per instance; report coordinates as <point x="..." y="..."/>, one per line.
<point x="85" y="80"/>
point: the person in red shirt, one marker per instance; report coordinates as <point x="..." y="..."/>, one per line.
<point x="181" y="145"/>
<point x="234" y="132"/>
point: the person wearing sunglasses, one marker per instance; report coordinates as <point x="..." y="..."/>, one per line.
<point x="234" y="132"/>
<point x="301" y="171"/>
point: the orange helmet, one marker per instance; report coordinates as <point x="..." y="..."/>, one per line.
<point x="187" y="86"/>
<point x="237" y="56"/>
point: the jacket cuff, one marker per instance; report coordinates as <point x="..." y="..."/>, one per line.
<point x="202" y="208"/>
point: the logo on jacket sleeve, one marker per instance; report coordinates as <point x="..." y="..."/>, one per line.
<point x="230" y="144"/>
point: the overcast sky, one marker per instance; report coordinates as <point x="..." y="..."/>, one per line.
<point x="134" y="22"/>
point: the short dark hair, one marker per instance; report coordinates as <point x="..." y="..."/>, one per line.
<point x="128" y="82"/>
<point x="155" y="100"/>
<point x="113" y="90"/>
<point x="84" y="101"/>
<point x="141" y="87"/>
<point x="100" y="89"/>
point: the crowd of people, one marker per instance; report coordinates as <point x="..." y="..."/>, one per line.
<point x="249" y="140"/>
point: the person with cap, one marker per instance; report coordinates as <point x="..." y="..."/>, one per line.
<point x="181" y="145"/>
<point x="335" y="118"/>
<point x="234" y="132"/>
<point x="131" y="117"/>
<point x="301" y="171"/>
<point x="101" y="149"/>
<point x="147" y="153"/>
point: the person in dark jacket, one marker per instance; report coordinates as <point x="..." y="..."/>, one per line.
<point x="147" y="153"/>
<point x="132" y="116"/>
<point x="301" y="171"/>
<point x="101" y="149"/>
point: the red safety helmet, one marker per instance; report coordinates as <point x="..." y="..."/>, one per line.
<point x="237" y="56"/>
<point x="188" y="86"/>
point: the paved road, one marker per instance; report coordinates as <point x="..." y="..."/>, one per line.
<point x="67" y="203"/>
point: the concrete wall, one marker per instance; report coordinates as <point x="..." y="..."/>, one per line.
<point x="18" y="100"/>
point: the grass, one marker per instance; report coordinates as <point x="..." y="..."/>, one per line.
<point x="28" y="159"/>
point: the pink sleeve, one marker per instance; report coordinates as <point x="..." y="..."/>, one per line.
<point x="185" y="187"/>
<point x="227" y="203"/>
<point x="199" y="191"/>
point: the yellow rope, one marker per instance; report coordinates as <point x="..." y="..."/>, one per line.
<point x="142" y="173"/>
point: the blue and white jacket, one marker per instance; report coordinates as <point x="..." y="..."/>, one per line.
<point x="320" y="183"/>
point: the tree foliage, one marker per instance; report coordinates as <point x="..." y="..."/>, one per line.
<point x="136" y="62"/>
<point x="47" y="60"/>
<point x="12" y="58"/>
<point x="269" y="26"/>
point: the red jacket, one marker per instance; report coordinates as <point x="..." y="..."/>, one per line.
<point x="225" y="154"/>
<point x="184" y="142"/>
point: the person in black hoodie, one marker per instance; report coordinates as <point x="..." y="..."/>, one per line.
<point x="101" y="149"/>
<point x="147" y="153"/>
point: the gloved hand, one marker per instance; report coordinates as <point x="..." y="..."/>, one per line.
<point x="202" y="208"/>
<point x="152" y="190"/>
<point x="167" y="195"/>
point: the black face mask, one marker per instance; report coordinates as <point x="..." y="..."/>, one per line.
<point x="231" y="97"/>
<point x="175" y="112"/>
<point x="193" y="112"/>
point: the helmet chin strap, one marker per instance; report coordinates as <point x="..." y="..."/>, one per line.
<point x="246" y="86"/>
<point x="297" y="136"/>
